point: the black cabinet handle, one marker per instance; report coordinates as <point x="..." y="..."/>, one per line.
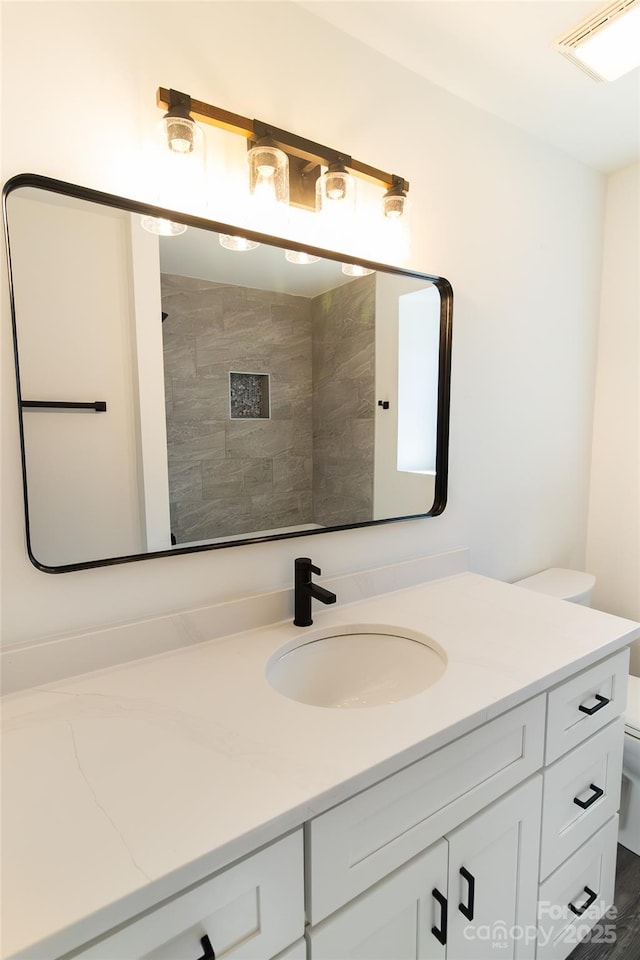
<point x="591" y="896"/>
<point x="597" y="793"/>
<point x="602" y="702"/>
<point x="440" y="934"/>
<point x="209" y="952"/>
<point x="467" y="909"/>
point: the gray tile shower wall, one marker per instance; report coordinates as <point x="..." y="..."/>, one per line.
<point x="343" y="338"/>
<point x="236" y="476"/>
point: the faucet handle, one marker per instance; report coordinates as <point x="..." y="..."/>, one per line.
<point x="304" y="565"/>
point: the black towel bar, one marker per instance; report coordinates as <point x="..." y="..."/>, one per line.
<point x="99" y="406"/>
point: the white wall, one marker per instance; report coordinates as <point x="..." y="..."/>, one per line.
<point x="515" y="225"/>
<point x="613" y="547"/>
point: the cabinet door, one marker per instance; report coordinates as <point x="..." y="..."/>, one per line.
<point x="493" y="865"/>
<point x="249" y="911"/>
<point x="394" y="920"/>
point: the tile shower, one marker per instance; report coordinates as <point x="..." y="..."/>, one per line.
<point x="289" y="440"/>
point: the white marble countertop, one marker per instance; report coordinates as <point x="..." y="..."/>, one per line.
<point x="123" y="786"/>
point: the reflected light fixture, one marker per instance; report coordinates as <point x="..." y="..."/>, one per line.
<point x="230" y="242"/>
<point x="299" y="256"/>
<point x="284" y="168"/>
<point x="355" y="270"/>
<point x="162" y="227"/>
<point x="607" y="44"/>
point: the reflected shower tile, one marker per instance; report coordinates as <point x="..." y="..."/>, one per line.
<point x="190" y="440"/>
<point x="292" y="473"/>
<point x="185" y="480"/>
<point x="201" y="399"/>
<point x="259" y="438"/>
<point x="179" y="355"/>
<point x="232" y="478"/>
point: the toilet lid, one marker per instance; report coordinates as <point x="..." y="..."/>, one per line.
<point x="632" y="713"/>
<point x="561" y="583"/>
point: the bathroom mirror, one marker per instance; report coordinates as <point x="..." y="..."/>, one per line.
<point x="177" y="395"/>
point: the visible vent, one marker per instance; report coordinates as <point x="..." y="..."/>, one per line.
<point x="569" y="41"/>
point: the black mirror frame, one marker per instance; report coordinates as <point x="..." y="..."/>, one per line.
<point x="133" y="206"/>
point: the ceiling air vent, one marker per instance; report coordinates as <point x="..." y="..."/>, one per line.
<point x="588" y="46"/>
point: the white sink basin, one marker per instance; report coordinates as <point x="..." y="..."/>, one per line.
<point x="356" y="666"/>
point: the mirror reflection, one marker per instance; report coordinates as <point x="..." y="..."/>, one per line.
<point x="247" y="395"/>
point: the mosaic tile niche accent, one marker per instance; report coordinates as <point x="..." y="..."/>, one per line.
<point x="249" y="396"/>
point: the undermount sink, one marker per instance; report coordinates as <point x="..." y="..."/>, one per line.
<point x="356" y="666"/>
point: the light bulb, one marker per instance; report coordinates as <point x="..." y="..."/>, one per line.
<point x="268" y="172"/>
<point x="299" y="256"/>
<point x="393" y="207"/>
<point x="335" y="192"/>
<point x="335" y="187"/>
<point x="180" y="133"/>
<point x="240" y="244"/>
<point x="162" y="227"/>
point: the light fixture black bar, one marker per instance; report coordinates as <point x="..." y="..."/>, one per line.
<point x="291" y="143"/>
<point x="100" y="406"/>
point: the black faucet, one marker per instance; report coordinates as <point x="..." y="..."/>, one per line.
<point x="305" y="589"/>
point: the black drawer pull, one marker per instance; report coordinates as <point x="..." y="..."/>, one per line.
<point x="467" y="909"/>
<point x="591" y="896"/>
<point x="441" y="934"/>
<point x="209" y="952"/>
<point x="602" y="702"/>
<point x="597" y="793"/>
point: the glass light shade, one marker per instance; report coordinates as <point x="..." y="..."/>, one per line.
<point x="162" y="227"/>
<point x="298" y="256"/>
<point x="335" y="192"/>
<point x="355" y="270"/>
<point x="268" y="173"/>
<point x="230" y="242"/>
<point x="183" y="134"/>
<point x="394" y="205"/>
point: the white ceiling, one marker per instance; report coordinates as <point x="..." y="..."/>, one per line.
<point x="498" y="55"/>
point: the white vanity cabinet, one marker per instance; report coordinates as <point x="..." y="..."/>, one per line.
<point x="461" y="899"/>
<point x="254" y="909"/>
<point x="584" y="743"/>
<point x="542" y="852"/>
<point x="501" y="843"/>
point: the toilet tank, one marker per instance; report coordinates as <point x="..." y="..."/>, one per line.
<point x="572" y="585"/>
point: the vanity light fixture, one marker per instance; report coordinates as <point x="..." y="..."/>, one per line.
<point x="180" y="127"/>
<point x="394" y="200"/>
<point x="607" y="44"/>
<point x="268" y="172"/>
<point x="283" y="166"/>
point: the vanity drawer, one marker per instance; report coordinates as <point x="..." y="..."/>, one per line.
<point x="585" y="882"/>
<point x="581" y="792"/>
<point x="355" y="844"/>
<point x="586" y="703"/>
<point x="249" y="911"/>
